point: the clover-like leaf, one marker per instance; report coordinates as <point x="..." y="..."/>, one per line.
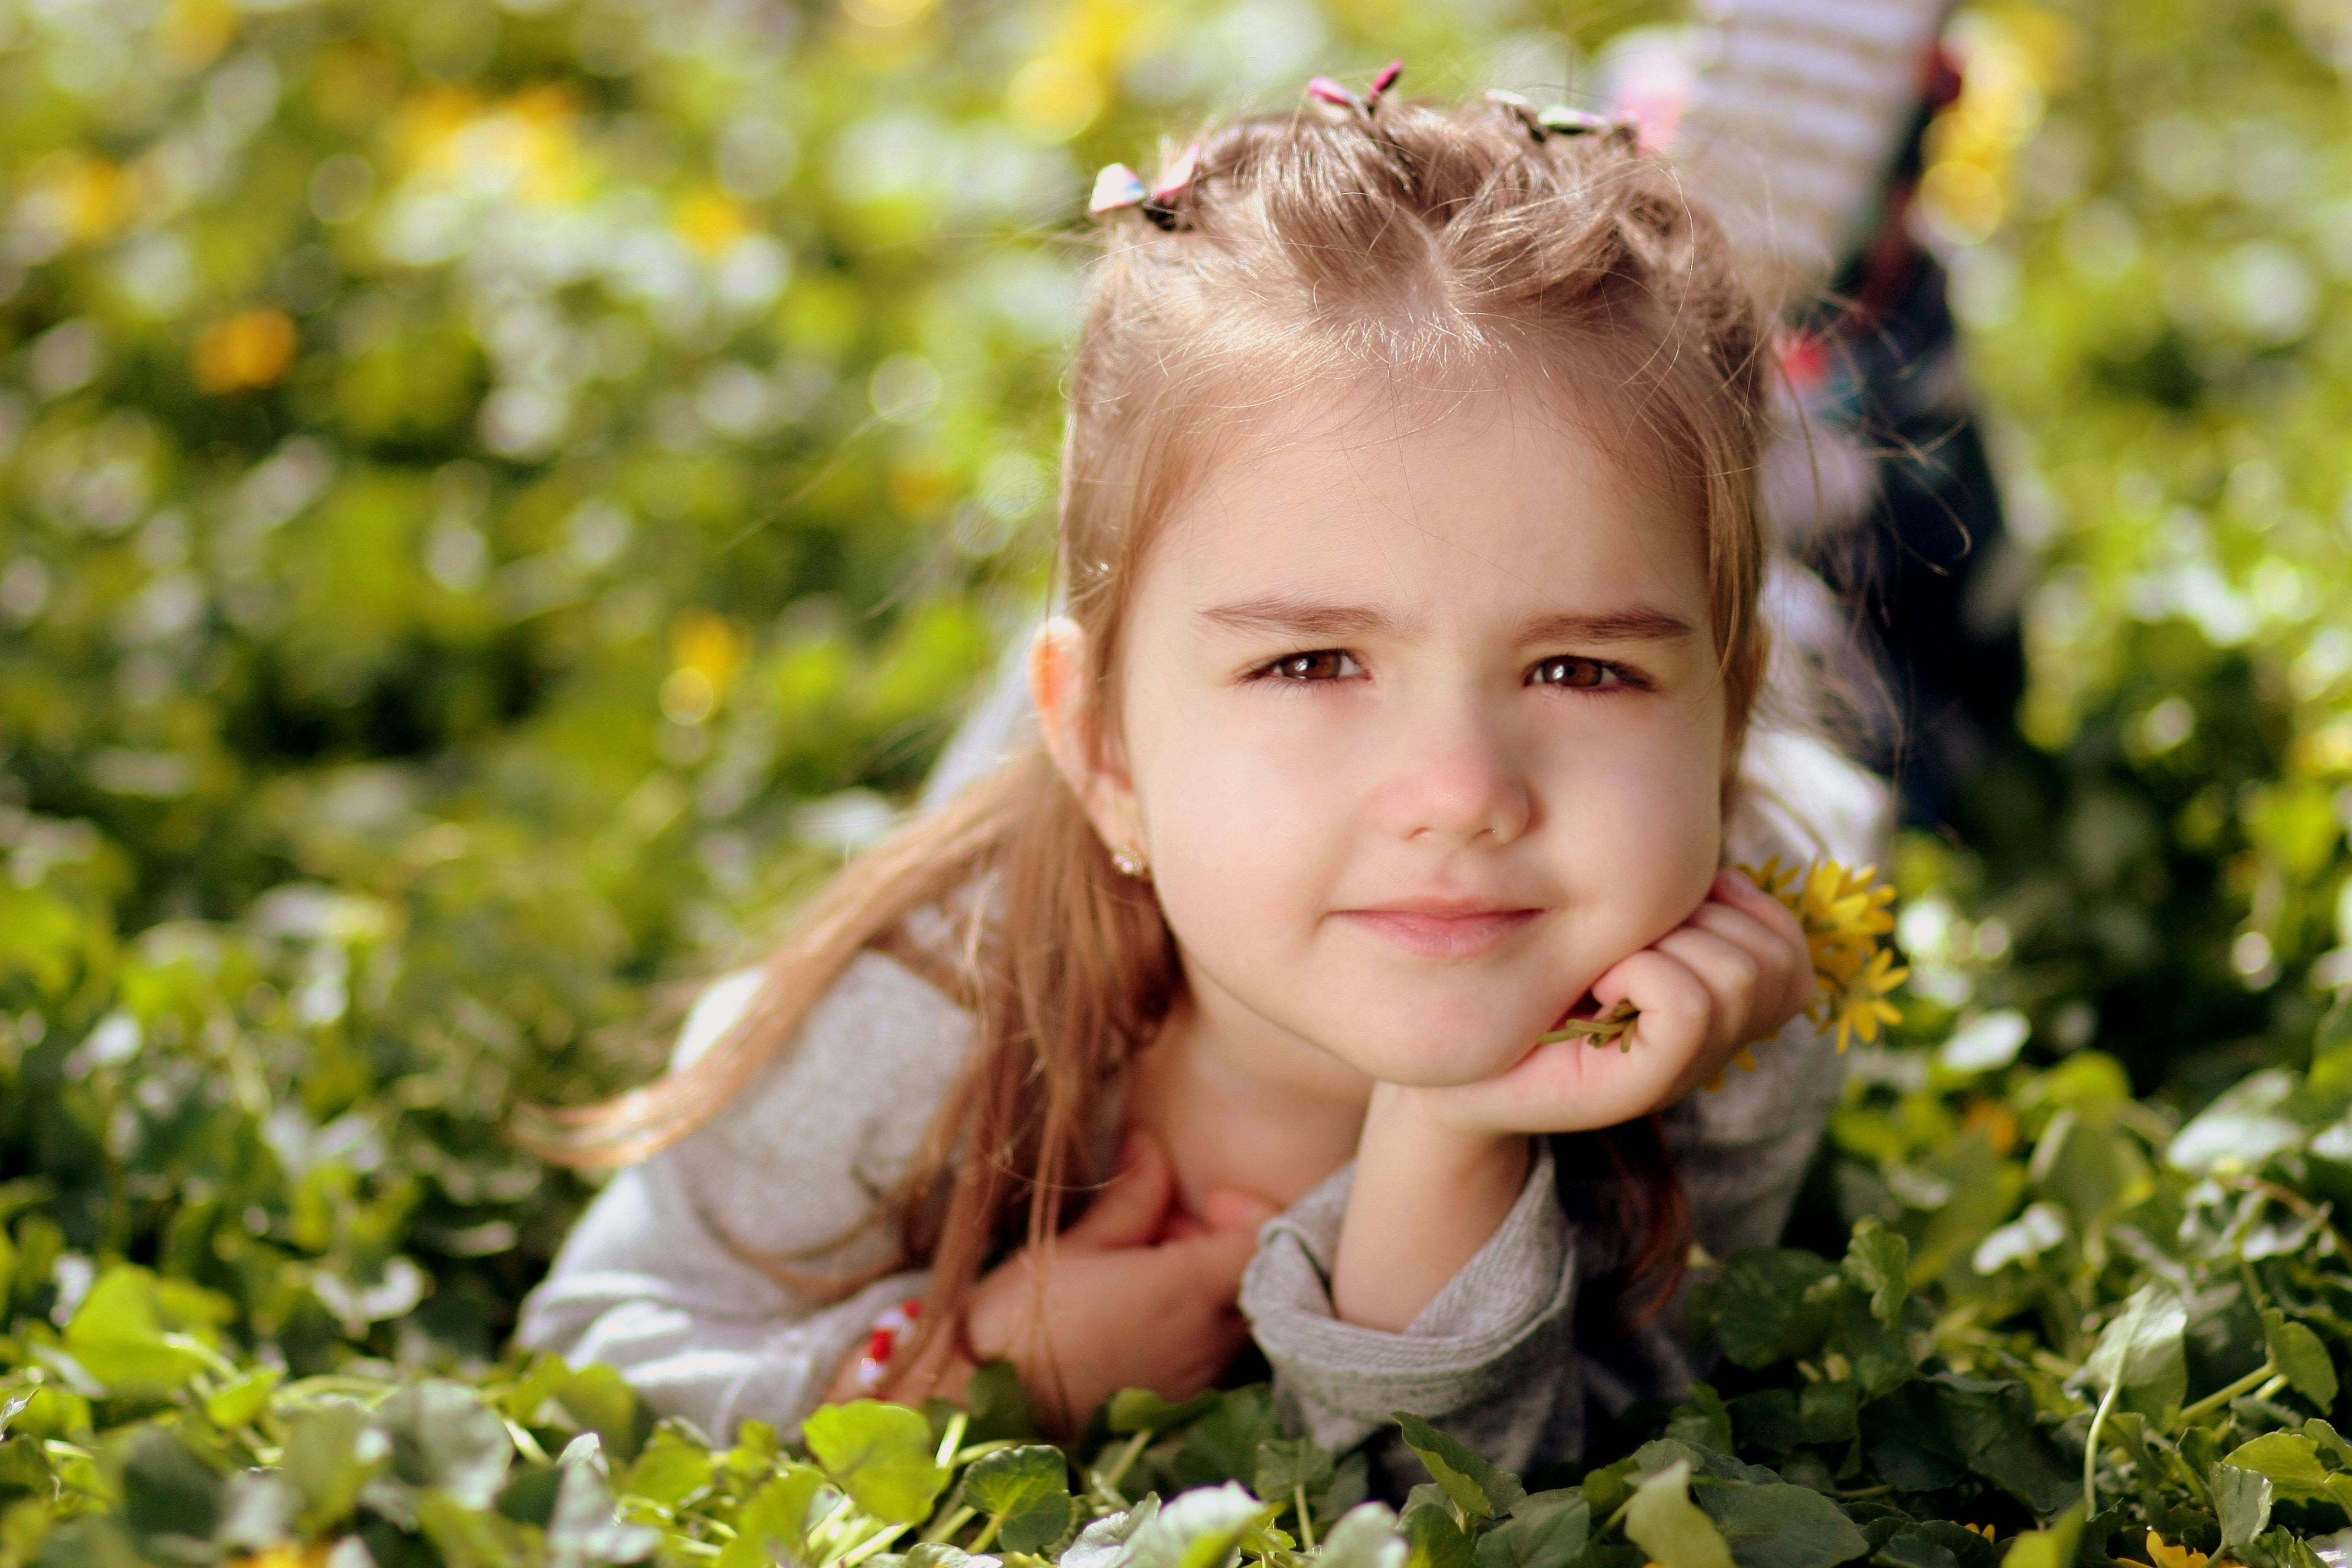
<point x="1675" y="1532"/>
<point x="1200" y="1528"/>
<point x="1366" y="1536"/>
<point x="1027" y="1490"/>
<point x="1132" y="1410"/>
<point x="2299" y="1353"/>
<point x="1546" y="1530"/>
<point x="1479" y="1489"/>
<point x="444" y="1438"/>
<point x="1878" y="1264"/>
<point x="881" y="1455"/>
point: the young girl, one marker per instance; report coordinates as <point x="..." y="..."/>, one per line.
<point x="1400" y="712"/>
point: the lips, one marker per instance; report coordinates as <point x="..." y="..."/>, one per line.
<point x="1434" y="928"/>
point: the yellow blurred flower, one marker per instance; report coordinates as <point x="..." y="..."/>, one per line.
<point x="2164" y="1555"/>
<point x="85" y="198"/>
<point x="528" y="142"/>
<point x="707" y="651"/>
<point x="711" y="221"/>
<point x="1055" y="96"/>
<point x="251" y="349"/>
<point x="285" y="1554"/>
<point x="192" y="32"/>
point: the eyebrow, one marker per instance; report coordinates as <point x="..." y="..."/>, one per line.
<point x="1307" y="617"/>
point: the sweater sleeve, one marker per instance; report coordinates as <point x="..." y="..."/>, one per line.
<point x="1489" y="1358"/>
<point x="662" y="1278"/>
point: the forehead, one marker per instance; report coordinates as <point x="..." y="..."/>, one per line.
<point x="1455" y="500"/>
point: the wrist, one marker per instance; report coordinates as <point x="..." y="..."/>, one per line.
<point x="1414" y="1127"/>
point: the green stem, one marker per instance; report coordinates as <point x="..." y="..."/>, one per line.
<point x="870" y="1545"/>
<point x="947" y="1527"/>
<point x="1305" y="1517"/>
<point x="2091" y="1443"/>
<point x="2220" y="1396"/>
<point x="987" y="1535"/>
<point x="1127" y="1458"/>
<point x="953" y="1435"/>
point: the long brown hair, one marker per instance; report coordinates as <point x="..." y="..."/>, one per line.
<point x="1407" y="239"/>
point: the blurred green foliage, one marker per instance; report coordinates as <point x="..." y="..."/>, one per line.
<point x="494" y="501"/>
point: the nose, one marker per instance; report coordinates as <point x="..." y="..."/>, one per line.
<point x="1454" y="776"/>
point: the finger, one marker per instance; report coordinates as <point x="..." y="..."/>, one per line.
<point x="1214" y="1262"/>
<point x="1130" y="1210"/>
<point x="1735" y="889"/>
<point x="1733" y="976"/>
<point x="1670" y="998"/>
<point x="1237" y="1208"/>
<point x="1786" y="984"/>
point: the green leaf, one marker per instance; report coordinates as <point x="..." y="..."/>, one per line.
<point x="237" y="1404"/>
<point x="879" y="1453"/>
<point x="1878" y="1264"/>
<point x="1546" y="1529"/>
<point x="1776" y="1525"/>
<point x="2298" y="1353"/>
<point x="1200" y="1528"/>
<point x="1133" y="1410"/>
<point x="1676" y="1532"/>
<point x="2140" y="1352"/>
<point x="444" y="1438"/>
<point x="169" y="1496"/>
<point x="1704" y="1421"/>
<point x="2250" y="1122"/>
<point x="1366" y="1536"/>
<point x="1432" y="1539"/>
<point x="669" y="1470"/>
<point x="2290" y="1459"/>
<point x="999" y="1404"/>
<point x="118" y="1337"/>
<point x="2052" y="1548"/>
<point x="1027" y="1490"/>
<point x="1772" y="1303"/>
<point x="583" y="1528"/>
<point x="2243" y="1497"/>
<point x="1105" y="1542"/>
<point x="773" y="1526"/>
<point x="1292" y="1465"/>
<point x="1935" y="1543"/>
<point x="331" y="1452"/>
<point x="1479" y="1489"/>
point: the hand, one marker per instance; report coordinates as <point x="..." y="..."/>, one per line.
<point x="1734" y="972"/>
<point x="1137" y="1294"/>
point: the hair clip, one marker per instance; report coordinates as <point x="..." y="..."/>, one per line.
<point x="1564" y="121"/>
<point x="1116" y="186"/>
<point x="1324" y="90"/>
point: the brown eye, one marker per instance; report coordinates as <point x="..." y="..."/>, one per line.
<point x="1586" y="673"/>
<point x="1308" y="667"/>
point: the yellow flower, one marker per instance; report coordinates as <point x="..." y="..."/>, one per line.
<point x="1983" y="1530"/>
<point x="250" y="349"/>
<point x="2164" y="1555"/>
<point x="1844" y="914"/>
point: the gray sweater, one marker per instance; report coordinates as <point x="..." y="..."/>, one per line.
<point x="656" y="1281"/>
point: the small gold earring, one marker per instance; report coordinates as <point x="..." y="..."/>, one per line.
<point x="1130" y="861"/>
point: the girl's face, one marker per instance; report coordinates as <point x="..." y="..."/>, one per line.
<point x="1423" y="729"/>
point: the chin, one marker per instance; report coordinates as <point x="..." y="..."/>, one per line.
<point x="1417" y="1064"/>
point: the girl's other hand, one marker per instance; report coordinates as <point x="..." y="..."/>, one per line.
<point x="1732" y="974"/>
<point x="1137" y="1294"/>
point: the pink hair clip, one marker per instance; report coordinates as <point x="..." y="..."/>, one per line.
<point x="1324" y="90"/>
<point x="1116" y="186"/>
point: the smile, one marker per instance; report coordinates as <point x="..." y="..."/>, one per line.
<point x="1443" y="936"/>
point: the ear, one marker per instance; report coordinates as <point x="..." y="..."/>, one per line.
<point x="1070" y="724"/>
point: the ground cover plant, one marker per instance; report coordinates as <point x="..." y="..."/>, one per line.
<point x="495" y="499"/>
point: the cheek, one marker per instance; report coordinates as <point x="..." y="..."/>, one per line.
<point x="1646" y="829"/>
<point x="1236" y="825"/>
